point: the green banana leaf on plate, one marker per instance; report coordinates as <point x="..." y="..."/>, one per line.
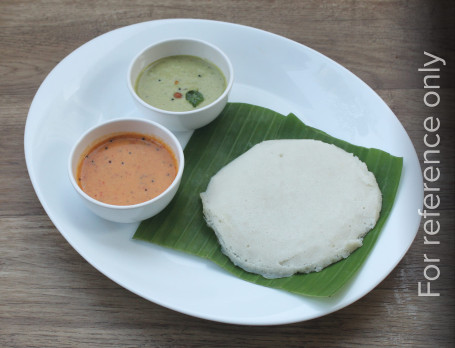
<point x="240" y="126"/>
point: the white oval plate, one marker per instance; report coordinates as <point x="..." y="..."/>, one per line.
<point x="89" y="86"/>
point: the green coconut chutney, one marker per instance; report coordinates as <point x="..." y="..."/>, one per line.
<point x="180" y="83"/>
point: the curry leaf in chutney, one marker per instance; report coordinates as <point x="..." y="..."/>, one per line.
<point x="194" y="97"/>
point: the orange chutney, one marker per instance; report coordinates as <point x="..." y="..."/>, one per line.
<point x="126" y="169"/>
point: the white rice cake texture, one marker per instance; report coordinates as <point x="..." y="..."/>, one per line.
<point x="291" y="206"/>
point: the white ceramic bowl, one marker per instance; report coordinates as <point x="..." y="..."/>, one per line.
<point x="127" y="213"/>
<point x="187" y="120"/>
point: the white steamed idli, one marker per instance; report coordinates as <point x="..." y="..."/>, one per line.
<point x="291" y="206"/>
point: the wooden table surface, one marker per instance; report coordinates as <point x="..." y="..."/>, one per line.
<point x="51" y="297"/>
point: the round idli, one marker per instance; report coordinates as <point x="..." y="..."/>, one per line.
<point x="291" y="206"/>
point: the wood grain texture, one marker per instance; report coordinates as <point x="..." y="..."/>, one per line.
<point x="51" y="297"/>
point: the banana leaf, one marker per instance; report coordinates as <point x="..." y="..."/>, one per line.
<point x="240" y="126"/>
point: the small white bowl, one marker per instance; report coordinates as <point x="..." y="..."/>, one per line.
<point x="127" y="213"/>
<point x="186" y="120"/>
